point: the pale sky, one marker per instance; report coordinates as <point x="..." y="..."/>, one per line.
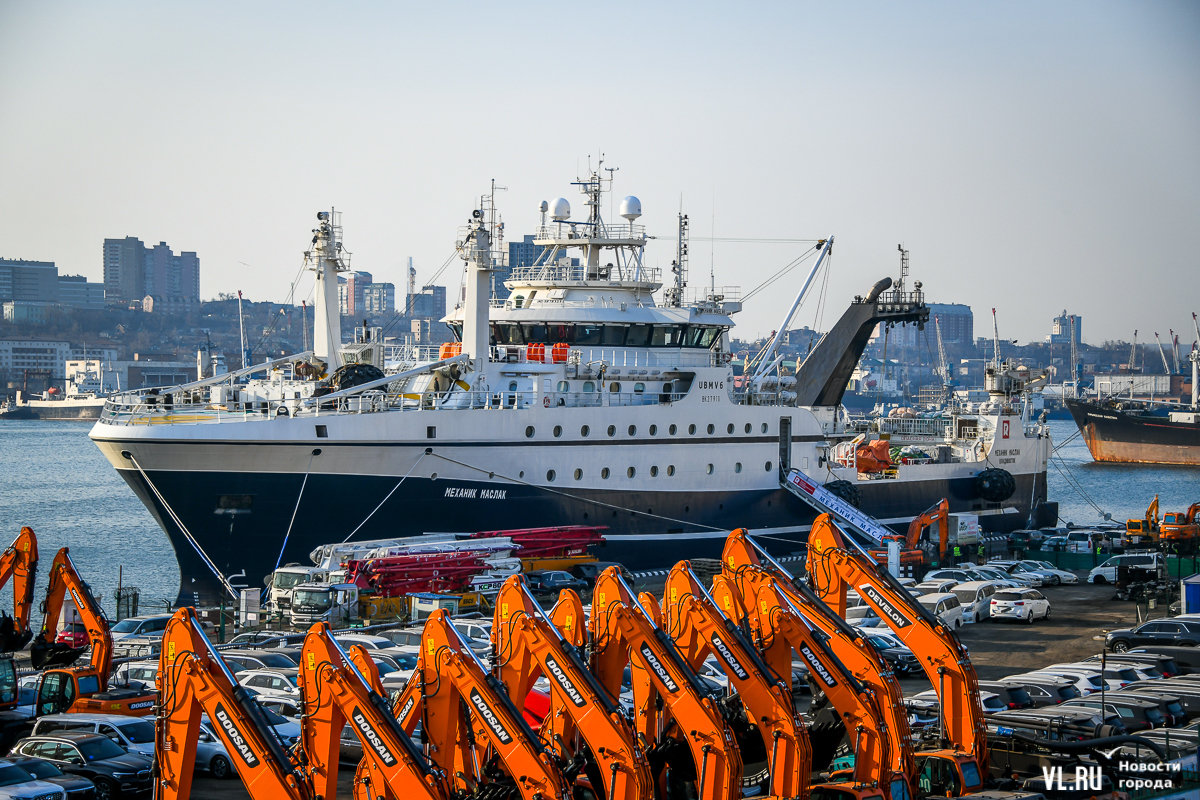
<point x="1032" y="156"/>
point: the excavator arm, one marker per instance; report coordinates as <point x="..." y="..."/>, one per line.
<point x="527" y="646"/>
<point x="192" y="678"/>
<point x="336" y="692"/>
<point x="836" y="564"/>
<point x="19" y="564"/>
<point x="940" y="514"/>
<point x="700" y="628"/>
<point x="474" y="732"/>
<point x="865" y="692"/>
<point x="44" y="652"/>
<point x="624" y="632"/>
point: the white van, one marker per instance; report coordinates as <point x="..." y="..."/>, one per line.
<point x="975" y="598"/>
<point x="944" y="606"/>
<point x="1107" y="572"/>
<point x="135" y="734"/>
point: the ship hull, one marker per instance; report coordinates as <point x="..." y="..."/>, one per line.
<point x="288" y="517"/>
<point x="1116" y="437"/>
<point x="55" y="410"/>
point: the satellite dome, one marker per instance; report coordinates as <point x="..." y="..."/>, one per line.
<point x="544" y="207"/>
<point x="631" y="208"/>
<point x="560" y="210"/>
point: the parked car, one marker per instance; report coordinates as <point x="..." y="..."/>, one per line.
<point x="935" y="586"/>
<point x="259" y="639"/>
<point x="549" y="581"/>
<point x="73" y="634"/>
<point x="1107" y="572"/>
<point x="1044" y="690"/>
<point x="1014" y="569"/>
<point x="1116" y="676"/>
<point x="1011" y="695"/>
<point x="1084" y="683"/>
<point x="77" y="786"/>
<point x="1170" y="706"/>
<point x="114" y="771"/>
<point x="272" y="681"/>
<point x="1136" y="715"/>
<point x="478" y="629"/>
<point x="976" y="599"/>
<point x="1187" y="659"/>
<point x="1158" y="665"/>
<point x="958" y="575"/>
<point x="368" y="641"/>
<point x="404" y="636"/>
<point x="17" y="784"/>
<point x="292" y="654"/>
<point x="1020" y="604"/>
<point x="590" y="570"/>
<point x="897" y="655"/>
<point x="148" y="625"/>
<point x="1159" y="631"/>
<point x="1054" y="543"/>
<point x="135" y="734"/>
<point x="944" y="606"/>
<point x="257" y="659"/>
<point x="928" y="699"/>
<point x="1001" y="578"/>
<point x="1057" y="576"/>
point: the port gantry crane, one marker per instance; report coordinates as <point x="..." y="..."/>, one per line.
<point x="192" y="678"/>
<point x="84" y="688"/>
<point x="19" y="564"/>
<point x="338" y="692"/>
<point x="699" y="628"/>
<point x="673" y="711"/>
<point x="785" y="615"/>
<point x="836" y="562"/>
<point x="584" y="725"/>
<point x="474" y="732"/>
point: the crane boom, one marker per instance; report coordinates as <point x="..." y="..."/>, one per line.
<point x="1133" y="352"/>
<point x="1163" y="353"/>
<point x="19" y="564"/>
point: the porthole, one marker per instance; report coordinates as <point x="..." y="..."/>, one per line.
<point x="550" y="475"/>
<point x="749" y="427"/>
<point x="589" y="386"/>
<point x="710" y="469"/>
<point x="521" y="474"/>
<point x="654" y="472"/>
<point x="670" y="470"/>
<point x="584" y="431"/>
<point x="615" y="386"/>
<point x="433" y="477"/>
<point x="564" y="386"/>
<point x="711" y="429"/>
<point x="604" y="473"/>
<point x="671" y="430"/>
<point x="768" y="466"/>
<point x="579" y="474"/>
<point x="631" y="472"/>
<point x="638" y="388"/>
<point x="529" y="432"/>
<point x="612" y="430"/>
<point x="764" y="427"/>
<point x="654" y="430"/>
<point x="692" y="430"/>
<point x="737" y="467"/>
<point x="557" y="431"/>
<point x="729" y="429"/>
<point x="633" y="430"/>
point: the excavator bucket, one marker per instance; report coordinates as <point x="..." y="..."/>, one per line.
<point x="12" y="639"/>
<point x="46" y="655"/>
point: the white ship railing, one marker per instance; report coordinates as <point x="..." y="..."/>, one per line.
<point x="566" y="272"/>
<point x="914" y="427"/>
<point x="584" y="230"/>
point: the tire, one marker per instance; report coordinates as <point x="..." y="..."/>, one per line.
<point x="1120" y="647"/>
<point x="1057" y="581"/>
<point x="1099" y="579"/>
<point x="106" y="789"/>
<point x="220" y="767"/>
<point x="1029" y="619"/>
<point x="1047" y="613"/>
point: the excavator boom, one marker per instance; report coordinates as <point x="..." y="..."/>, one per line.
<point x="19" y="564"/>
<point x="192" y="678"/>
<point x="527" y="646"/>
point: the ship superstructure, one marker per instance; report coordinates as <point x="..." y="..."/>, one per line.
<point x="579" y="399"/>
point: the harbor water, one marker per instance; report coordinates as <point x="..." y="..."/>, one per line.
<point x="57" y="483"/>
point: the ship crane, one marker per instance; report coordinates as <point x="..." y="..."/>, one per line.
<point x="1174" y="339"/>
<point x="943" y="364"/>
<point x="1133" y="352"/>
<point x="995" y="341"/>
<point x="1074" y="360"/>
<point x="1195" y="358"/>
<point x="1163" y="353"/>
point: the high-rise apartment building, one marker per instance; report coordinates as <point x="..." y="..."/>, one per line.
<point x="429" y="304"/>
<point x="379" y="299"/>
<point x="28" y="281"/>
<point x="132" y="271"/>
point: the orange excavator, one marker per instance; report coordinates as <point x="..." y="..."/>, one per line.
<point x="85" y="688"/>
<point x="192" y="679"/>
<point x="336" y="692"/>
<point x="473" y="731"/>
<point x="674" y="715"/>
<point x="1181" y="531"/>
<point x="19" y="564"/>
<point x="1142" y="532"/>
<point x="911" y="551"/>
<point x="837" y="563"/>
<point x="786" y="616"/>
<point x="700" y="629"/>
<point x="584" y="725"/>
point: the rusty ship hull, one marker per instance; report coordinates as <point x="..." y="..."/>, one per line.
<point x="1120" y="436"/>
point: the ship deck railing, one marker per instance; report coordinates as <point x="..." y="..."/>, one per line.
<point x="119" y="412"/>
<point x="560" y="272"/>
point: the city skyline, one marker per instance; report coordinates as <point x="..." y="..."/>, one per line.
<point x="1029" y="157"/>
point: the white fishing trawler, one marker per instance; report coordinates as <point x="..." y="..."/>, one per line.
<point x="591" y="395"/>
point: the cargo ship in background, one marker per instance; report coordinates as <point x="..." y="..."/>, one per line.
<point x="83" y="399"/>
<point x="595" y="394"/>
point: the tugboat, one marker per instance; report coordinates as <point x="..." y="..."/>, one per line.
<point x="581" y="399"/>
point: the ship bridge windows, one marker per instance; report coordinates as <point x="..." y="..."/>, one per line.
<point x="667" y="336"/>
<point x="597" y="335"/>
<point x="590" y="334"/>
<point x="637" y="336"/>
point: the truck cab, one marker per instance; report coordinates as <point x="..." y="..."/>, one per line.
<point x="284" y="581"/>
<point x="324" y="602"/>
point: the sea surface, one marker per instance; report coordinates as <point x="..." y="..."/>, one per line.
<point x="54" y="480"/>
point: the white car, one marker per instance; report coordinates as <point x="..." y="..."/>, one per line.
<point x="1107" y="572"/>
<point x="1015" y="570"/>
<point x="944" y="606"/>
<point x="936" y="586"/>
<point x="928" y="700"/>
<point x="1116" y="676"/>
<point x="976" y="599"/>
<point x="1057" y="576"/>
<point x="271" y="681"/>
<point x="1084" y="683"/>
<point x="1093" y="676"/>
<point x="140" y="626"/>
<point x="1020" y="604"/>
<point x="999" y="576"/>
<point x="17" y="784"/>
<point x="366" y="640"/>
<point x="135" y="734"/>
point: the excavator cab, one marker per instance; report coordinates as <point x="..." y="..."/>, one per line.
<point x="947" y="775"/>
